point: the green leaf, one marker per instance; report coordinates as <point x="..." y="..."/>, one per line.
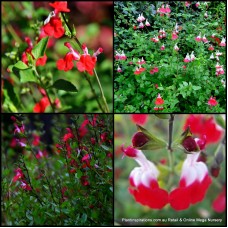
<point x="185" y="83"/>
<point x="26" y="75"/>
<point x="105" y="147"/>
<point x="78" y="174"/>
<point x="84" y="218"/>
<point x="64" y="85"/>
<point x="196" y="87"/>
<point x="20" y="65"/>
<point x="220" y="121"/>
<point x="11" y="93"/>
<point x="39" y="49"/>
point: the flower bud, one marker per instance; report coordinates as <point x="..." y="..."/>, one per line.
<point x="190" y="144"/>
<point x="139" y="139"/>
<point x="215" y="170"/>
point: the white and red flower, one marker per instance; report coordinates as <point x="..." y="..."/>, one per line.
<point x="139" y="70"/>
<point x="204" y="39"/>
<point x="25" y="185"/>
<point x="176" y="48"/>
<point x="140" y="18"/>
<point x="119" y="69"/>
<point x="141" y="25"/>
<point x="144" y="186"/>
<point x="159" y="103"/>
<point x="174" y="35"/>
<point x="198" y="38"/>
<point x="147" y="23"/>
<point x="187" y="58"/>
<point x="19" y="175"/>
<point x="223" y="42"/>
<point x="155" y="39"/>
<point x="211" y="48"/>
<point x="193" y="185"/>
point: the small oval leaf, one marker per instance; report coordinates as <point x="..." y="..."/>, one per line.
<point x="64" y="85"/>
<point x="39" y="49"/>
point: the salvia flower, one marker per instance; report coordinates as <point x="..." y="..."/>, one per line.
<point x="144" y="186"/>
<point x="60" y="6"/>
<point x="193" y="185"/>
<point x="219" y="204"/>
<point x="212" y="101"/>
<point x="212" y="56"/>
<point x="25" y="185"/>
<point x="141" y="61"/>
<point x="147" y="23"/>
<point x="211" y="48"/>
<point x="192" y="56"/>
<point x="41" y="154"/>
<point x="187" y="58"/>
<point x="19" y="175"/>
<point x="204" y="39"/>
<point x="162" y="48"/>
<point x="176" y="48"/>
<point x="141" y="25"/>
<point x="154" y="70"/>
<point x="122" y="56"/>
<point x="197" y="4"/>
<point x="119" y="69"/>
<point x="159" y="103"/>
<point x="155" y="39"/>
<point x="139" y="70"/>
<point x="187" y="4"/>
<point x="140" y="18"/>
<point x="218" y="53"/>
<point x="174" y="35"/>
<point x="140" y="119"/>
<point x="198" y="38"/>
<point x="206" y="15"/>
<point x="223" y="42"/>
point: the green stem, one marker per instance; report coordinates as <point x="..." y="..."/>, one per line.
<point x="42" y="85"/>
<point x="171" y="119"/>
<point x="101" y="90"/>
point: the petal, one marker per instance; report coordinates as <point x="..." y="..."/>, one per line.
<point x="80" y="66"/>
<point x="179" y="199"/>
<point x="60" y="64"/>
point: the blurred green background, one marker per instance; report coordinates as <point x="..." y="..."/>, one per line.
<point x="94" y="26"/>
<point x="125" y="205"/>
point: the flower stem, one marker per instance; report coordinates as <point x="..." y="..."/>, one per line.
<point x="97" y="78"/>
<point x="42" y="85"/>
<point x="171" y="119"/>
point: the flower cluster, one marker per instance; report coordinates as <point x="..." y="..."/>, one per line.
<point x="86" y="62"/>
<point x="19" y="176"/>
<point x="189" y="58"/>
<point x="159" y="103"/>
<point x="140" y="19"/>
<point x="164" y="10"/>
<point x="144" y="186"/>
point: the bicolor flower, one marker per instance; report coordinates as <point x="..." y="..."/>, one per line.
<point x="141" y="25"/>
<point x="176" y="48"/>
<point x="162" y="48"/>
<point x="18" y="129"/>
<point x="147" y="23"/>
<point x="140" y="18"/>
<point x="174" y="35"/>
<point x="155" y="39"/>
<point x="223" y="42"/>
<point x="119" y="69"/>
<point x="187" y="58"/>
<point x="218" y="53"/>
<point x="141" y="61"/>
<point x="139" y="70"/>
<point x="206" y="15"/>
<point x="159" y="103"/>
<point x="41" y="154"/>
<point x="212" y="56"/>
<point x="211" y="48"/>
<point x="25" y="185"/>
<point x="212" y="101"/>
<point x="192" y="56"/>
<point x="187" y="4"/>
<point x="197" y="4"/>
<point x="19" y="175"/>
<point x="198" y="38"/>
<point x="144" y="186"/>
<point x="204" y="39"/>
<point x="122" y="56"/>
<point x="219" y="69"/>
<point x="193" y="185"/>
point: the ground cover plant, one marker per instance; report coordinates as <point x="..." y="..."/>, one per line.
<point x="170" y="170"/>
<point x="55" y="57"/>
<point x="173" y="51"/>
<point x="57" y="170"/>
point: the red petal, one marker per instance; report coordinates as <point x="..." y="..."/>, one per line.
<point x="60" y="64"/>
<point x="219" y="204"/>
<point x="179" y="199"/>
<point x="139" y="118"/>
<point x="155" y="198"/>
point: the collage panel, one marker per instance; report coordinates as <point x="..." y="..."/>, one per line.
<point x="57" y="57"/>
<point x="57" y="170"/>
<point x="170" y="170"/>
<point x="169" y="57"/>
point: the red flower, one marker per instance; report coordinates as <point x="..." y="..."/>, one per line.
<point x="140" y="119"/>
<point x="60" y="6"/>
<point x="41" y="106"/>
<point x="84" y="180"/>
<point x="68" y="135"/>
<point x="19" y="175"/>
<point x="193" y="184"/>
<point x="144" y="186"/>
<point x="25" y="185"/>
<point x="66" y="63"/>
<point x="202" y="126"/>
<point x="54" y="27"/>
<point x="41" y="61"/>
<point x="86" y="63"/>
<point x="212" y="101"/>
<point x="36" y="140"/>
<point x="219" y="204"/>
